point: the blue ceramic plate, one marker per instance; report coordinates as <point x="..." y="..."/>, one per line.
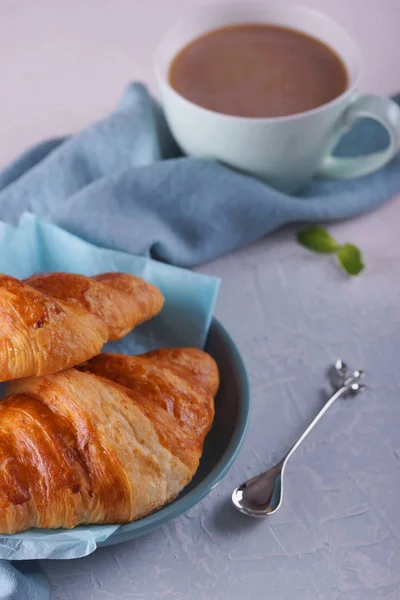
<point x="232" y="413"/>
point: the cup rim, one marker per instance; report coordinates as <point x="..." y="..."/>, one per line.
<point x="349" y="91"/>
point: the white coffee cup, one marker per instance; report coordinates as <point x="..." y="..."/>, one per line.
<point x="285" y="151"/>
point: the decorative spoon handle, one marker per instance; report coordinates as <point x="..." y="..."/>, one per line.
<point x="342" y="390"/>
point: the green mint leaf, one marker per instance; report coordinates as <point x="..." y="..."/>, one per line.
<point x="350" y="258"/>
<point x="315" y="238"/>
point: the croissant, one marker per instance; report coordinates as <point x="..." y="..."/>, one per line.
<point x="109" y="442"/>
<point x="54" y="321"/>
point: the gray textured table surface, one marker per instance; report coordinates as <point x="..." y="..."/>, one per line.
<point x="337" y="536"/>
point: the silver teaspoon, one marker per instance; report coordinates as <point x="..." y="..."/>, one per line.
<point x="262" y="495"/>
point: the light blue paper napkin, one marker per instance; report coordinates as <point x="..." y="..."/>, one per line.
<point x="122" y="184"/>
<point x="189" y="299"/>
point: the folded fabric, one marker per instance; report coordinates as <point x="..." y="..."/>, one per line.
<point x="122" y="184"/>
<point x="22" y="581"/>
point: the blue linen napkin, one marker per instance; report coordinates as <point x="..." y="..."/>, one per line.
<point x="122" y="184"/>
<point x="184" y="321"/>
<point x="22" y="581"/>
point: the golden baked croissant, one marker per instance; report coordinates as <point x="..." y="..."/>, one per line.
<point x="55" y="321"/>
<point x="108" y="443"/>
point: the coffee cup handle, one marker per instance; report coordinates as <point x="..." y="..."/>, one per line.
<point x="379" y="108"/>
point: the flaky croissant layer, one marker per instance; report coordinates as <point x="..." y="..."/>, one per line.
<point x="55" y="321"/>
<point x="108" y="443"/>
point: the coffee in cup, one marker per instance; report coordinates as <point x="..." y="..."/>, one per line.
<point x="258" y="70"/>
